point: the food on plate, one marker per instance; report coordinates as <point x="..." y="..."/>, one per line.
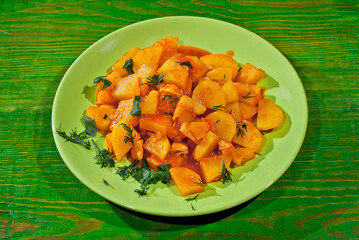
<point x="182" y="109"/>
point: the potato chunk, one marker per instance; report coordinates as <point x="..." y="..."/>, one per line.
<point x="150" y="56"/>
<point x="149" y="103"/>
<point x="250" y="74"/>
<point x="102" y="117"/>
<point x="230" y="92"/>
<point x="118" y="136"/>
<point x="206" y="146"/>
<point x="221" y="60"/>
<point x="251" y="137"/>
<point x="126" y="88"/>
<point x="118" y="66"/>
<point x="224" y="123"/>
<point x="157" y="147"/>
<point x="269" y="115"/>
<point x="174" y="73"/>
<point x="185" y="180"/>
<point x="211" y="167"/>
<point x="209" y="93"/>
<point x="242" y="155"/>
<point x="188" y="104"/>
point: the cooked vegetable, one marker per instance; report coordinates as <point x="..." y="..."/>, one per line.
<point x="178" y="112"/>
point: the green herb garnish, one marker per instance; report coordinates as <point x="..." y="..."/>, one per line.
<point x="154" y="80"/>
<point x="136" y="110"/>
<point x="103" y="157"/>
<point x="171" y="97"/>
<point x="218" y="107"/>
<point x="128" y="66"/>
<point x="90" y="126"/>
<point x="130" y="137"/>
<point x="106" y="83"/>
<point x="191" y="200"/>
<point x="168" y="114"/>
<point x="144" y="175"/>
<point x="186" y="63"/>
<point x="247" y="96"/>
<point x="74" y="137"/>
<point x="226" y="175"/>
<point x="242" y="128"/>
<point x="105" y="116"/>
<point x="201" y="183"/>
<point x="218" y="121"/>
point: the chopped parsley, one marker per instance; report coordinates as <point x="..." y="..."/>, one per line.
<point x="106" y="83"/>
<point x="186" y="63"/>
<point x="144" y="175"/>
<point x="128" y="66"/>
<point x="171" y="97"/>
<point x="136" y="110"/>
<point x="247" y="96"/>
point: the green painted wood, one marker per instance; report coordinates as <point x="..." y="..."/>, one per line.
<point x="317" y="198"/>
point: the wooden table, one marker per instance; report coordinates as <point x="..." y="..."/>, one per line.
<point x="318" y="196"/>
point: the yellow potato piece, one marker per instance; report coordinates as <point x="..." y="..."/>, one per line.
<point x="209" y="93"/>
<point x="225" y="125"/>
<point x="220" y="60"/>
<point x="269" y="115"/>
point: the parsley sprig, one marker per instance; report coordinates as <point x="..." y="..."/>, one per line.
<point x="136" y="110"/>
<point x="144" y="175"/>
<point x="186" y="63"/>
<point x="128" y="66"/>
<point x="106" y="83"/>
<point x="103" y="157"/>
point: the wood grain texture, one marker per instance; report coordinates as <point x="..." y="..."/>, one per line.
<point x="317" y="198"/>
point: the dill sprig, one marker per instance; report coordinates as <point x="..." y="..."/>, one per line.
<point x="74" y="137"/>
<point x="242" y="129"/>
<point x="201" y="183"/>
<point x="247" y="96"/>
<point x="130" y="137"/>
<point x="103" y="157"/>
<point x="218" y="107"/>
<point x="154" y="80"/>
<point x="171" y="97"/>
<point x="191" y="200"/>
<point x="226" y="175"/>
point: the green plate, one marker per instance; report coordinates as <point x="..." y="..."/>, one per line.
<point x="75" y="94"/>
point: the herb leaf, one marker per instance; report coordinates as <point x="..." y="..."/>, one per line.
<point x="218" y="107"/>
<point x="144" y="175"/>
<point x="90" y="126"/>
<point x="191" y="200"/>
<point x="136" y="110"/>
<point x="201" y="183"/>
<point x="106" y="83"/>
<point x="128" y="66"/>
<point x="242" y="129"/>
<point x="171" y="97"/>
<point x="154" y="80"/>
<point x="186" y="63"/>
<point x="226" y="175"/>
<point x="247" y="96"/>
<point x="103" y="157"/>
<point x="168" y="114"/>
<point x="130" y="137"/>
<point x="74" y="137"/>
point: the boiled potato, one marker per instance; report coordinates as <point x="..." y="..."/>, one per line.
<point x="209" y="93"/>
<point x="221" y="60"/>
<point x="225" y="125"/>
<point x="251" y="137"/>
<point x="269" y="115"/>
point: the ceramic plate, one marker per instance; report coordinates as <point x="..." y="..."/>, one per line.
<point x="76" y="93"/>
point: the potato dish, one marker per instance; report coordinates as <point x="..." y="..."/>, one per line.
<point x="182" y="105"/>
